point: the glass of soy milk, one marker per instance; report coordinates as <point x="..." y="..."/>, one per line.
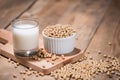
<point x="25" y="37"/>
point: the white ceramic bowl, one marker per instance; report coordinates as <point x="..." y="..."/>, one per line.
<point x="59" y="45"/>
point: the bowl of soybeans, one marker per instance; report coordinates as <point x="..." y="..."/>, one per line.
<point x="59" y="39"/>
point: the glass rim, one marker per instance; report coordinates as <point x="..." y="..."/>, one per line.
<point x="25" y="19"/>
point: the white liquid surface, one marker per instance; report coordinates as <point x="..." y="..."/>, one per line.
<point x="26" y="37"/>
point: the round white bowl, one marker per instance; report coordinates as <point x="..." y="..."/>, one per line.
<point x="59" y="45"/>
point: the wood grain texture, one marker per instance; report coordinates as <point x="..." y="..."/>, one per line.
<point x="86" y="16"/>
<point x="107" y="37"/>
<point x="12" y="9"/>
<point x="7" y="71"/>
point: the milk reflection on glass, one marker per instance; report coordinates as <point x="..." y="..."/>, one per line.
<point x="25" y="37"/>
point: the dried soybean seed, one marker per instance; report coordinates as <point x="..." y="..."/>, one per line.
<point x="9" y="60"/>
<point x="109" y="43"/>
<point x="17" y="64"/>
<point x="47" y="60"/>
<point x="37" y="75"/>
<point x="26" y="70"/>
<point x="108" y="56"/>
<point x="34" y="72"/>
<point x="24" y="79"/>
<point x="63" y="57"/>
<point x="105" y="56"/>
<point x="54" y="57"/>
<point x="14" y="76"/>
<point x="21" y="72"/>
<point x="91" y="58"/>
<point x="43" y="66"/>
<point x="12" y="62"/>
<point x="29" y="73"/>
<point x="99" y="52"/>
<point x="30" y="68"/>
<point x="112" y="72"/>
<point x="40" y="74"/>
<point x="88" y="52"/>
<point x="52" y="63"/>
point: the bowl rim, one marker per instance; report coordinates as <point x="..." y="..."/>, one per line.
<point x="43" y="34"/>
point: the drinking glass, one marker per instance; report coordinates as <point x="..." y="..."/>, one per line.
<point x="25" y="37"/>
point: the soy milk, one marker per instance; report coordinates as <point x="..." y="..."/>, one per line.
<point x="25" y="36"/>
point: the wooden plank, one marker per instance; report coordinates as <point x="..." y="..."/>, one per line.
<point x="12" y="9"/>
<point x="7" y="70"/>
<point x="107" y="37"/>
<point x="49" y="13"/>
<point x="86" y="18"/>
<point x="40" y="7"/>
<point x="72" y="14"/>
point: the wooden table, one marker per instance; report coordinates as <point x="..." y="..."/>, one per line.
<point x="97" y="23"/>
